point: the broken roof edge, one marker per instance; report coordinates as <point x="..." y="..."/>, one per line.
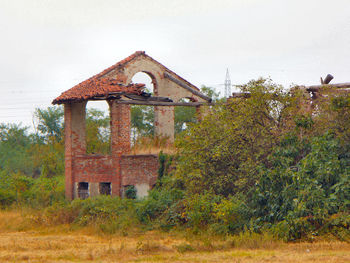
<point x="69" y="95"/>
<point x="323" y="87"/>
<point x="100" y="89"/>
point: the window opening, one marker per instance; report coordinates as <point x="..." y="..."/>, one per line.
<point x="105" y="188"/>
<point x="142" y="116"/>
<point x="83" y="190"/>
<point x="183" y="116"/>
<point x="98" y="132"/>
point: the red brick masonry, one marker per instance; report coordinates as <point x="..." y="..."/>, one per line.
<point x="119" y="168"/>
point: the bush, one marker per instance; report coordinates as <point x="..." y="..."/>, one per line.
<point x="46" y="191"/>
<point x="231" y="216"/>
<point x="199" y="210"/>
<point x="130" y="192"/>
<point x="104" y="213"/>
<point x="157" y="203"/>
<point x="6" y="198"/>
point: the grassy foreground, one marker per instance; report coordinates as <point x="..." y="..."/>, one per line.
<point x="23" y="241"/>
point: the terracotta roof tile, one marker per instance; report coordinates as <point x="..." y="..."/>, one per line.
<point x="98" y="85"/>
<point x="95" y="87"/>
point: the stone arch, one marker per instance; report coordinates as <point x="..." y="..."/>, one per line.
<point x="163" y="116"/>
<point x="148" y="67"/>
<point x="153" y="81"/>
<point x="146" y="111"/>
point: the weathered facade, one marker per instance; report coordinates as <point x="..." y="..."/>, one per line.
<point x="90" y="174"/>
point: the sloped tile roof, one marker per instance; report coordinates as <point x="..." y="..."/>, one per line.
<point x="98" y="85"/>
<point x="95" y="87"/>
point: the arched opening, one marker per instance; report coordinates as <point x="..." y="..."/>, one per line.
<point x="98" y="132"/>
<point x="184" y="115"/>
<point x="148" y="79"/>
<point x="142" y="116"/>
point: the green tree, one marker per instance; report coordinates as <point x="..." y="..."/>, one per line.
<point x="223" y="152"/>
<point x="14" y="149"/>
<point x="210" y="92"/>
<point x="142" y="120"/>
<point x="50" y="122"/>
<point x="97" y="132"/>
<point x="184" y="116"/>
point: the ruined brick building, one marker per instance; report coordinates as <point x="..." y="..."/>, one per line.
<point x="92" y="174"/>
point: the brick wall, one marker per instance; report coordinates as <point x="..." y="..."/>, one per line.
<point x="139" y="169"/>
<point x="94" y="168"/>
<point x="118" y="168"/>
<point x="133" y="170"/>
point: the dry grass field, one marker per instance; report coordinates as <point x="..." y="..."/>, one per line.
<point x="22" y="242"/>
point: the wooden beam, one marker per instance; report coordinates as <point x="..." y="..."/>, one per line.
<point x="185" y="86"/>
<point x="144" y="98"/>
<point x="316" y="88"/>
<point x="240" y="95"/>
<point x="160" y="103"/>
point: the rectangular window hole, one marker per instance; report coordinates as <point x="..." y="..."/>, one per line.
<point x="105" y="189"/>
<point x="83" y="190"/>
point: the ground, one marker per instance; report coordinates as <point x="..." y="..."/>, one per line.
<point x="19" y="243"/>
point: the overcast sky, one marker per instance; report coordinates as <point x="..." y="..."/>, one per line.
<point x="47" y="46"/>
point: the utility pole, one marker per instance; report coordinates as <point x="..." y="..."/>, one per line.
<point x="227" y="85"/>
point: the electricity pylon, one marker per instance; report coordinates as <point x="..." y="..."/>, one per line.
<point x="227" y="85"/>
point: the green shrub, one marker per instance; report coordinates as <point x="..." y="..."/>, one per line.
<point x="46" y="191"/>
<point x="130" y="192"/>
<point x="6" y="198"/>
<point x="231" y="216"/>
<point x="158" y="202"/>
<point x="199" y="210"/>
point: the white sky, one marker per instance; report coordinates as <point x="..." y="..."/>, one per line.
<point x="47" y="46"/>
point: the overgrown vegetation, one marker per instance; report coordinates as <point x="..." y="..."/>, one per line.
<point x="256" y="165"/>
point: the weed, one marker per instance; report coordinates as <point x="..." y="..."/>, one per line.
<point x="252" y="240"/>
<point x="183" y="247"/>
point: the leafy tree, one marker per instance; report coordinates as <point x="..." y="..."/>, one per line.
<point x="184" y="115"/>
<point x="142" y="120"/>
<point x="50" y="122"/>
<point x="97" y="132"/>
<point x="303" y="192"/>
<point x="14" y="149"/>
<point x="210" y="92"/>
<point x="223" y="152"/>
<point x="333" y="113"/>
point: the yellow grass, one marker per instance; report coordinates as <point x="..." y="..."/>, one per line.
<point x="153" y="145"/>
<point x="22" y="242"/>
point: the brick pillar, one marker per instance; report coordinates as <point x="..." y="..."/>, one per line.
<point x="120" y="139"/>
<point x="74" y="132"/>
<point x="164" y="121"/>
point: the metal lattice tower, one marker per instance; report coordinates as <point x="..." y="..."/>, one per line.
<point x="227" y="84"/>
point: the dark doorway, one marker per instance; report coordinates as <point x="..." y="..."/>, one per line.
<point x="105" y="189"/>
<point x="83" y="190"/>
